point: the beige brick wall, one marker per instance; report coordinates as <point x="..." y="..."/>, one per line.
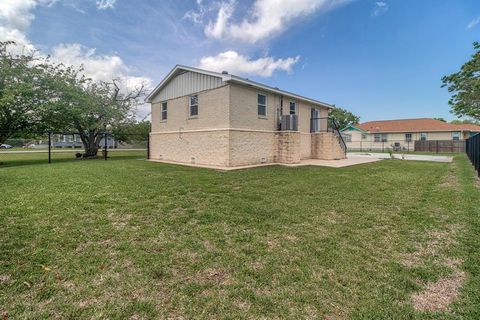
<point x="213" y="112"/>
<point x="305" y="145"/>
<point x="205" y="147"/>
<point x="244" y="109"/>
<point x="228" y="131"/>
<point x="252" y="147"/>
<point x="288" y="147"/>
<point x="304" y="116"/>
<point x="325" y="146"/>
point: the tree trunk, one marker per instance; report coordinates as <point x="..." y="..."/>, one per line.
<point x="90" y="142"/>
<point x="3" y="138"/>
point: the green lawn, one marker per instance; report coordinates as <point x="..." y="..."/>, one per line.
<point x="134" y="239"/>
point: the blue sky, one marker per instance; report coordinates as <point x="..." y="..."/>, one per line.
<point x="379" y="59"/>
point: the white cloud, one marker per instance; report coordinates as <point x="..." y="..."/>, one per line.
<point x="265" y="18"/>
<point x="236" y="63"/>
<point x="105" y="4"/>
<point x="96" y="66"/>
<point x="15" y="18"/>
<point x="102" y="68"/>
<point x="473" y="23"/>
<point x="381" y="7"/>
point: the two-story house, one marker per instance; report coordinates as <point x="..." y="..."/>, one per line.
<point x="218" y="119"/>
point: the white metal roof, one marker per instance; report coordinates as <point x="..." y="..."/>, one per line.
<point x="230" y="78"/>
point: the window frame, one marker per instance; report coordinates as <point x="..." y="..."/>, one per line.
<point x="261" y="116"/>
<point x="190" y="105"/>
<point x="408" y="139"/>
<point x="163" y="104"/>
<point x="347" y="137"/>
<point x="422" y="137"/>
<point x="383" y="137"/>
<point x="290" y="108"/>
<point x="456" y="138"/>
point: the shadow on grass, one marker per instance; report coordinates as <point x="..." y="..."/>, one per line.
<point x="17" y="160"/>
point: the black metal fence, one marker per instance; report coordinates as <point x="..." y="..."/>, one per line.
<point x="369" y="144"/>
<point x="473" y="151"/>
<point x="49" y="147"/>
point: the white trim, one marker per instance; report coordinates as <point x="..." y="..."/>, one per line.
<point x="161" y="111"/>
<point x="232" y="79"/>
<point x="190" y="116"/>
<point x="261" y="116"/>
<point x="257" y="85"/>
<point x="296" y="107"/>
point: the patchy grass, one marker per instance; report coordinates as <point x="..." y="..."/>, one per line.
<point x="132" y="239"/>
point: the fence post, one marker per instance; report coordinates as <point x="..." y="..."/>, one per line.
<point x="148" y="146"/>
<point x="49" y="147"/>
<point x="105" y="137"/>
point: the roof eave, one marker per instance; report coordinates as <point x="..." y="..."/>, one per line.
<point x="230" y="78"/>
<point x="260" y="86"/>
<point x="172" y="73"/>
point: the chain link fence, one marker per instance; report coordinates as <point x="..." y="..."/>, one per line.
<point x="386" y="145"/>
<point x="24" y="148"/>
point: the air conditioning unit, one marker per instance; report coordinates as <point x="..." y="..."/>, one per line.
<point x="290" y="122"/>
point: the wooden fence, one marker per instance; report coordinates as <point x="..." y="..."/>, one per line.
<point x="440" y="146"/>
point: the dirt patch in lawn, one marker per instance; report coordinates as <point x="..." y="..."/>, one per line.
<point x="215" y="276"/>
<point x="438" y="240"/>
<point x="4" y="278"/>
<point x="451" y="179"/>
<point x="437" y="296"/>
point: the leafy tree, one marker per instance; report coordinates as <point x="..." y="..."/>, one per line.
<point x="132" y="131"/>
<point x="90" y="108"/>
<point x="344" y="117"/>
<point x="465" y="87"/>
<point x="465" y="121"/>
<point x="440" y="119"/>
<point x="24" y="91"/>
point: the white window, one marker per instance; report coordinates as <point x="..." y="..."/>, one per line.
<point x="163" y="115"/>
<point x="408" y="137"/>
<point x="193" y="107"/>
<point x="380" y="137"/>
<point x="423" y="136"/>
<point x="456" y="135"/>
<point x="262" y="105"/>
<point x="347" y="137"/>
<point x="293" y="108"/>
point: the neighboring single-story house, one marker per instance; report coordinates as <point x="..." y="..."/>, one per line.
<point x="402" y="134"/>
<point x="218" y="119"/>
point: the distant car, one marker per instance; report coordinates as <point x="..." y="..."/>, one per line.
<point x="5" y="146"/>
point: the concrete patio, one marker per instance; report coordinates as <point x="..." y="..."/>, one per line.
<point x="308" y="162"/>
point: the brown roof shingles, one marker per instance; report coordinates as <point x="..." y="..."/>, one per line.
<point x="415" y="125"/>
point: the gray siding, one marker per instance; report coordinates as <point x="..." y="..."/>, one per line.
<point x="187" y="83"/>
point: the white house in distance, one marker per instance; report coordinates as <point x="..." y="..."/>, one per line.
<point x="218" y="119"/>
<point x="401" y="134"/>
